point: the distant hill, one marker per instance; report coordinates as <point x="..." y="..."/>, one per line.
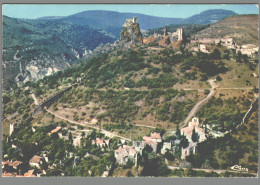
<point x="34" y="48"/>
<point x="243" y="28"/>
<point x="51" y="17"/>
<point x="44" y="43"/>
<point x="208" y="16"/>
<point x="112" y="22"/>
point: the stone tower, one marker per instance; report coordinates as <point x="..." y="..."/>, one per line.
<point x="179" y="32"/>
<point x="165" y="31"/>
<point x="135" y="19"/>
<point x="12" y="127"/>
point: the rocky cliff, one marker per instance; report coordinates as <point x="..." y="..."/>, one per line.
<point x="131" y="32"/>
<point x="35" y="48"/>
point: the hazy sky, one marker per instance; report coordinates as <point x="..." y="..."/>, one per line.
<point x="177" y="11"/>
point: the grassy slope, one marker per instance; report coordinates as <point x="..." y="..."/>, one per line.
<point x="243" y="28"/>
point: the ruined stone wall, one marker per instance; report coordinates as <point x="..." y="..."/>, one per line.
<point x="50" y="100"/>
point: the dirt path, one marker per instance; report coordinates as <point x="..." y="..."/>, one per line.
<point x="11" y="116"/>
<point x="107" y="133"/>
<point x="147" y="126"/>
<point x="202" y="102"/>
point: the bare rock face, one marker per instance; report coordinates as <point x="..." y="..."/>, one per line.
<point x="131" y="32"/>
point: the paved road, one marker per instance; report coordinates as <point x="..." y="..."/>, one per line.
<point x="202" y="102"/>
<point x="107" y="133"/>
<point x="211" y="170"/>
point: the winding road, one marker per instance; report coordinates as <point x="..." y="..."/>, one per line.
<point x="202" y="102"/>
<point x="107" y="133"/>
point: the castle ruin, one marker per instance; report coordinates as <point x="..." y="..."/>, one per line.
<point x="129" y="22"/>
<point x="131" y="33"/>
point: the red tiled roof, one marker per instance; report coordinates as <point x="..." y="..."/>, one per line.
<point x="126" y="150"/>
<point x="147" y="138"/>
<point x="29" y="175"/>
<point x="8" y="175"/>
<point x="150" y="143"/>
<point x="55" y="130"/>
<point x="155" y="135"/>
<point x="35" y="159"/>
<point x="99" y="141"/>
<point x="15" y="163"/>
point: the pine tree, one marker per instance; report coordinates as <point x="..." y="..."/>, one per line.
<point x="178" y="132"/>
<point x="194" y="136"/>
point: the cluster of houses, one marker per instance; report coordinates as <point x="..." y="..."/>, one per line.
<point x="13" y="169"/>
<point x="125" y="153"/>
<point x="247" y="49"/>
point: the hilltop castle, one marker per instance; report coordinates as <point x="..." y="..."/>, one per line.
<point x="129" y="22"/>
<point x="131" y="33"/>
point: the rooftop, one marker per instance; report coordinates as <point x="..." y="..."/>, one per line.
<point x="55" y="130"/>
<point x="35" y="159"/>
<point x="155" y="135"/>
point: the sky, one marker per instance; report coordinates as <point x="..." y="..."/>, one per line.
<point x="33" y="11"/>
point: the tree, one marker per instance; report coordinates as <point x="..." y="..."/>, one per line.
<point x="70" y="137"/>
<point x="239" y="57"/>
<point x="184" y="142"/>
<point x="204" y="77"/>
<point x="83" y="134"/>
<point x="178" y="132"/>
<point x="194" y="135"/>
<point x="216" y="54"/>
<point x="218" y="78"/>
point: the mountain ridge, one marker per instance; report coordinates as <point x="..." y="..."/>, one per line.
<point x="116" y="19"/>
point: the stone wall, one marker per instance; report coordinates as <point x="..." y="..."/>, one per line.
<point x="50" y="100"/>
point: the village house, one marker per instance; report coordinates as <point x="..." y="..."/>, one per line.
<point x="8" y="166"/>
<point x="152" y="144"/>
<point x="154" y="136"/>
<point x="167" y="146"/>
<point x="36" y="161"/>
<point x="44" y="155"/>
<point x="30" y="173"/>
<point x="125" y="153"/>
<point x="191" y="149"/>
<point x="76" y="141"/>
<point x="203" y="48"/>
<point x="194" y="124"/>
<point x="101" y="143"/>
<point x="94" y="121"/>
<point x="153" y="140"/>
<point x="139" y="146"/>
<point x="188" y="131"/>
<point x="54" y="130"/>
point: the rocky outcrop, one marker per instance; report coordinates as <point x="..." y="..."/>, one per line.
<point x="131" y="32"/>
